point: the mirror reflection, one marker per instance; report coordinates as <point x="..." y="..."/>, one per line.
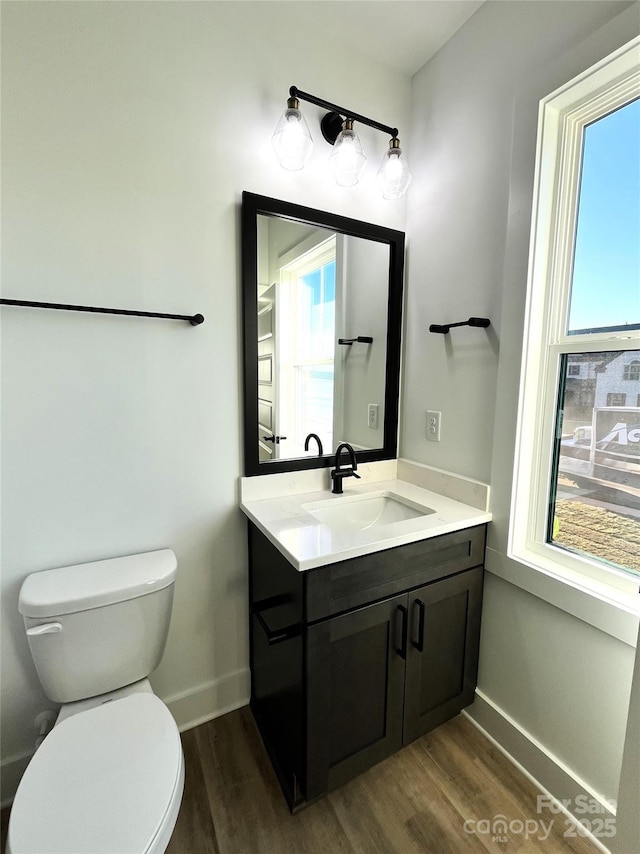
<point x="321" y="337"/>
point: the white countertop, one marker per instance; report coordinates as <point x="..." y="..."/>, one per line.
<point x="308" y="543"/>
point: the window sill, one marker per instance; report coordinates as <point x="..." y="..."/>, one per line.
<point x="601" y="605"/>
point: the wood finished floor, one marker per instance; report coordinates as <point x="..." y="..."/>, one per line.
<point x="415" y="802"/>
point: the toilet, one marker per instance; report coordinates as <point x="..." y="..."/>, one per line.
<point x="109" y="776"/>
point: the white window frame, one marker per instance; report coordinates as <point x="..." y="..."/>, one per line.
<point x="563" y="114"/>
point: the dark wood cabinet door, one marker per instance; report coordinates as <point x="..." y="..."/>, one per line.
<point x="442" y="656"/>
<point x="355" y="685"/>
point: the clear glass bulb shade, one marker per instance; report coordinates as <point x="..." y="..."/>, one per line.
<point x="348" y="159"/>
<point x="292" y="140"/>
<point x="394" y="176"/>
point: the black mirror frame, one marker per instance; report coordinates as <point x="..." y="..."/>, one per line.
<point x="254" y="205"/>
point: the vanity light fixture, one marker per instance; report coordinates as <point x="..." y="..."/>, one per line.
<point x="347" y="159"/>
<point x="292" y="143"/>
<point x="292" y="140"/>
<point x="394" y="176"/>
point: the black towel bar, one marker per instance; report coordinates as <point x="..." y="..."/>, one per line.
<point x="473" y="321"/>
<point x="361" y="339"/>
<point x="194" y="319"/>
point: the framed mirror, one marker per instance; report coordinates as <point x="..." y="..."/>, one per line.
<point x="322" y="308"/>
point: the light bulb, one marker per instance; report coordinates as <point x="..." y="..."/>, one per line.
<point x="348" y="159"/>
<point x="394" y="176"/>
<point x="292" y="140"/>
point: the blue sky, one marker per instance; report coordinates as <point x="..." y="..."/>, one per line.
<point x="606" y="277"/>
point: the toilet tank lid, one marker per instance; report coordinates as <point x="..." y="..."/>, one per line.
<point x="91" y="585"/>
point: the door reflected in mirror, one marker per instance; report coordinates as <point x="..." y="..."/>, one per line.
<point x="322" y="313"/>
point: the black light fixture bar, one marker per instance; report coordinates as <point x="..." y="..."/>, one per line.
<point x="473" y="321"/>
<point x="294" y="92"/>
<point x="194" y="319"/>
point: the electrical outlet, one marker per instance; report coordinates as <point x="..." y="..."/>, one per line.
<point x="433" y="425"/>
<point x="372" y="416"/>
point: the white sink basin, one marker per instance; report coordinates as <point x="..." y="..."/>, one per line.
<point x="358" y="512"/>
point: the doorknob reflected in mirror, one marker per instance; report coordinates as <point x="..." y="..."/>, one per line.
<point x="275" y="439"/>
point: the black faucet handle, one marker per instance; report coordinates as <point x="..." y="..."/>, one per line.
<point x="338" y="475"/>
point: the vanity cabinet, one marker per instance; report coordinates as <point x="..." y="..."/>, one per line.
<point x="353" y="660"/>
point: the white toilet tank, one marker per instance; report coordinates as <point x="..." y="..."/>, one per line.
<point x="95" y="627"/>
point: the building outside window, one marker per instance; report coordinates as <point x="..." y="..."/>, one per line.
<point x="576" y="498"/>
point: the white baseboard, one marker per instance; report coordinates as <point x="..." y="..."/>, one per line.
<point x="545" y="770"/>
<point x="210" y="700"/>
<point x="189" y="708"/>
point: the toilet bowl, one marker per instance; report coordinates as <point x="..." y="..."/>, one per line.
<point x="105" y="780"/>
<point x="109" y="777"/>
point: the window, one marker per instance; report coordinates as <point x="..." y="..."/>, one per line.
<point x="616" y="399"/>
<point x="306" y="354"/>
<point x="576" y="497"/>
<point x="632" y="371"/>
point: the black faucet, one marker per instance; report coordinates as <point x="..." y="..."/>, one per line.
<point x="317" y="438"/>
<point x="338" y="474"/>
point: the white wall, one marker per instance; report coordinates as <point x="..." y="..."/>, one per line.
<point x="628" y="815"/>
<point x="129" y="132"/>
<point x="555" y="665"/>
<point x="364" y="365"/>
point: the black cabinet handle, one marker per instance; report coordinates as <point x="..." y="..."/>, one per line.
<point x="402" y="651"/>
<point x="419" y="644"/>
<point x="275" y="439"/>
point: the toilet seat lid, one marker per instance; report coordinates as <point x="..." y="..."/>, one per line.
<point x="102" y="781"/>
